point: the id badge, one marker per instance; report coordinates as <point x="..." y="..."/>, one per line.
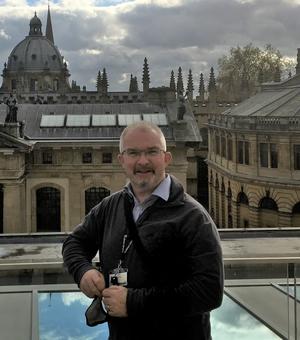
<point x="118" y="277"/>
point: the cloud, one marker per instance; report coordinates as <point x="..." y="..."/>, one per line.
<point x="118" y="34"/>
<point x="70" y="298"/>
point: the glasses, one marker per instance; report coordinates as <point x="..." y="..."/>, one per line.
<point x="149" y="153"/>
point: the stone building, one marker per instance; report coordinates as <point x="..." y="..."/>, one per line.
<point x="58" y="144"/>
<point x="254" y="159"/>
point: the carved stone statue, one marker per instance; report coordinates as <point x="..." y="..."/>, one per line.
<point x="11" y="116"/>
<point x="181" y="110"/>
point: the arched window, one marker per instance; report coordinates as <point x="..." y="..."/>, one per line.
<point x="48" y="209"/>
<point x="242" y="198"/>
<point x="268" y="203"/>
<point x="296" y="215"/>
<point x="296" y="208"/>
<point x="93" y="196"/>
<point x="268" y="214"/>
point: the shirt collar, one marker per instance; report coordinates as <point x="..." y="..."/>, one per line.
<point x="162" y="190"/>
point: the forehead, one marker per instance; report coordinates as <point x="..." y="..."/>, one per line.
<point x="141" y="137"/>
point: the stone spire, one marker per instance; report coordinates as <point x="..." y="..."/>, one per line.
<point x="99" y="82"/>
<point x="190" y="86"/>
<point x="212" y="89"/>
<point x="131" y="83"/>
<point x="180" y="88"/>
<point x="104" y="82"/>
<point x="201" y="88"/>
<point x="133" y="86"/>
<point x="49" y="31"/>
<point x="298" y="62"/>
<point x="146" y="77"/>
<point x="172" y="82"/>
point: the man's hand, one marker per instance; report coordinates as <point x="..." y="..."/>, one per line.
<point x="92" y="283"/>
<point x="114" y="299"/>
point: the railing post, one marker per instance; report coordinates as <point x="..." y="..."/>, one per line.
<point x="292" y="275"/>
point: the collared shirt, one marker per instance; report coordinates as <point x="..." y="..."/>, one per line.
<point x="162" y="191"/>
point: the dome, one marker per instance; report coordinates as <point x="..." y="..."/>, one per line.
<point x="35" y="26"/>
<point x="35" y="21"/>
<point x="35" y="54"/>
<point x="36" y="64"/>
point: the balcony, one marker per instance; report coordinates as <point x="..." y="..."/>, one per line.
<point x="262" y="271"/>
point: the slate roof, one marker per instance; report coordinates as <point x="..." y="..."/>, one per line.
<point x="32" y="114"/>
<point x="277" y="102"/>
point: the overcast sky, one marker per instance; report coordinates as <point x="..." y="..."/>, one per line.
<point x="118" y="34"/>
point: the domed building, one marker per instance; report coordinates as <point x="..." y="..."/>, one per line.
<point x="35" y="64"/>
<point x="254" y="159"/>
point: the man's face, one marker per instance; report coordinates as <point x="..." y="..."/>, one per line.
<point x="145" y="170"/>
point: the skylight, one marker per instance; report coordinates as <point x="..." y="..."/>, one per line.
<point x="127" y="119"/>
<point x="78" y="120"/>
<point x="104" y="120"/>
<point x="156" y="118"/>
<point x="52" y="121"/>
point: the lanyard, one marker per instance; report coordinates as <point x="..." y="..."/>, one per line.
<point x="124" y="249"/>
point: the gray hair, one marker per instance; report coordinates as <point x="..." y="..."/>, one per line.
<point x="144" y="126"/>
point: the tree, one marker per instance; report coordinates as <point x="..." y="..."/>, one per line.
<point x="244" y="67"/>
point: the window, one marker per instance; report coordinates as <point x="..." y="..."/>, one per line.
<point x="274" y="155"/>
<point x="268" y="155"/>
<point x="47" y="157"/>
<point x="33" y="85"/>
<point x="229" y="149"/>
<point x="242" y="198"/>
<point x="223" y="146"/>
<point x="297" y="156"/>
<point x="263" y="151"/>
<point x="268" y="203"/>
<point x="87" y="157"/>
<point x="243" y="152"/>
<point x="217" y="144"/>
<point x="107" y="157"/>
<point x="55" y="85"/>
<point x="13" y="84"/>
<point x="48" y="209"/>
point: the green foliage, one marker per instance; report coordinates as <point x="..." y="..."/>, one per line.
<point x="244" y="67"/>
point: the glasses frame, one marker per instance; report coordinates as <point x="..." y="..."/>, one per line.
<point x="137" y="153"/>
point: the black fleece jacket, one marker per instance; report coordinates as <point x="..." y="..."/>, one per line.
<point x="169" y="298"/>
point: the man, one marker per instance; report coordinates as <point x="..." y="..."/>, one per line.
<point x="169" y="286"/>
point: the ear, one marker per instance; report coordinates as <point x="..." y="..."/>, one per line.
<point x="168" y="158"/>
<point x="120" y="158"/>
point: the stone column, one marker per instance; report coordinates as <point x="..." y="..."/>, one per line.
<point x="254" y="217"/>
<point x="13" y="208"/>
<point x="234" y="213"/>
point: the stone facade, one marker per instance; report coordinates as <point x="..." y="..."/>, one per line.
<point x="253" y="160"/>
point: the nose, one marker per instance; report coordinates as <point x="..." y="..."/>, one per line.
<point x="143" y="159"/>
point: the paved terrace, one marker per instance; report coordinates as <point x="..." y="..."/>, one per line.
<point x="272" y="245"/>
